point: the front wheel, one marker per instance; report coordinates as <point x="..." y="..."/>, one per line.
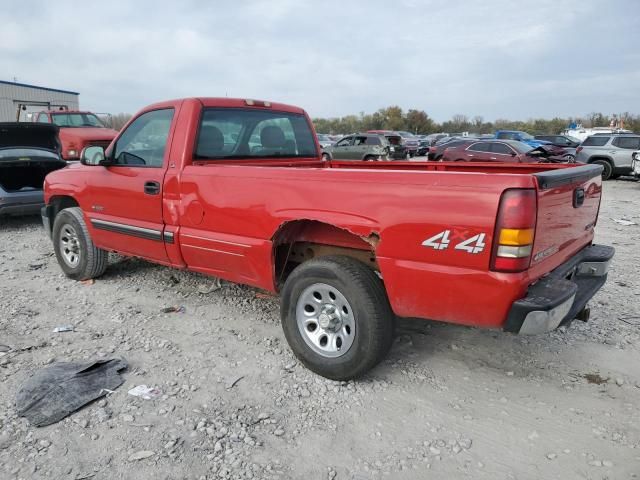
<point x="326" y="157"/>
<point x="336" y="317"/>
<point x="569" y="158"/>
<point x="78" y="257"/>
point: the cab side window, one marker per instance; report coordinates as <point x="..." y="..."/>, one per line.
<point x="144" y="141"/>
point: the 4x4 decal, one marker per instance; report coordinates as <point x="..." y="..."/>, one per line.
<point x="441" y="241"/>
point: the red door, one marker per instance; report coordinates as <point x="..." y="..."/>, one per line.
<point x="123" y="201"/>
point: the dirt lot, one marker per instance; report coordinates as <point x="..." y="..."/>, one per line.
<point x="449" y="402"/>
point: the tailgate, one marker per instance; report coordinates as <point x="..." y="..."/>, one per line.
<point x="568" y="204"/>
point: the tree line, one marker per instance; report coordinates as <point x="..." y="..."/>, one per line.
<point x="417" y="121"/>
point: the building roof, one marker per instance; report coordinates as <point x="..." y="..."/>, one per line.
<point x="16" y="84"/>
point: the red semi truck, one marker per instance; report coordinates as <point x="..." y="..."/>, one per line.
<point x="77" y="130"/>
<point x="237" y="189"/>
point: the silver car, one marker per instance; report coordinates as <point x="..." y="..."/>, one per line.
<point x="611" y="151"/>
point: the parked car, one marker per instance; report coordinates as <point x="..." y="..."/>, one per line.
<point x="28" y="153"/>
<point x="366" y="146"/>
<point x="567" y="142"/>
<point x="324" y="140"/>
<point x="635" y="164"/>
<point x="435" y="152"/>
<point x="423" y="147"/>
<point x="506" y="151"/>
<point x="411" y="141"/>
<point x="520" y="137"/>
<point x="612" y="151"/>
<point x="453" y="242"/>
<point x="77" y="130"/>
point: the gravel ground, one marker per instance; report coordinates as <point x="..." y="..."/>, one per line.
<point x="449" y="402"/>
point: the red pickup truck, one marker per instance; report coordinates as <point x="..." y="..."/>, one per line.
<point x="77" y="130"/>
<point x="237" y="189"/>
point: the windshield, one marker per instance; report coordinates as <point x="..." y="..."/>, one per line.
<point x="323" y="138"/>
<point x="228" y="133"/>
<point x="574" y="139"/>
<point x="526" y="136"/>
<point x="76" y="120"/>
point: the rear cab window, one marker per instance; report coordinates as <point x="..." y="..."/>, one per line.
<point x="245" y="133"/>
<point x="596" y="141"/>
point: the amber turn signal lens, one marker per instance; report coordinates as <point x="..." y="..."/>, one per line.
<point x="516" y="237"/>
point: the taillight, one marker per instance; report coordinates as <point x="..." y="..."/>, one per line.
<point x="515" y="231"/>
<point x="579" y="149"/>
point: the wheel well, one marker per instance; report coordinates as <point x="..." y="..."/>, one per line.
<point x="57" y="204"/>
<point x="606" y="159"/>
<point x="299" y="241"/>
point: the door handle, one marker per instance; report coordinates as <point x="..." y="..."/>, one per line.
<point x="152" y="188"/>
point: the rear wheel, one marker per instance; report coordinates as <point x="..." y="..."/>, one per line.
<point x="370" y="158"/>
<point x="569" y="158"/>
<point x="78" y="257"/>
<point x="336" y="317"/>
<point x="607" y="171"/>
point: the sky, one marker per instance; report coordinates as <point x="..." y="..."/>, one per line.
<point x="495" y="58"/>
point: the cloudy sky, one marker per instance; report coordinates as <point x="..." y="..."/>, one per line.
<point x="495" y="58"/>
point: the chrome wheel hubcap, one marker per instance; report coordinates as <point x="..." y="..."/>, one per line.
<point x="325" y="320"/>
<point x="70" y="246"/>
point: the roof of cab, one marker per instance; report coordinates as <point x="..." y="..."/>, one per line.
<point x="224" y="102"/>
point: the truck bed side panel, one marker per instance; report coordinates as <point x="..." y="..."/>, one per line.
<point x="229" y="214"/>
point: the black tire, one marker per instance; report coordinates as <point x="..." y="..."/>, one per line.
<point x="326" y="157"/>
<point x="608" y="168"/>
<point x="372" y="315"/>
<point x="370" y="158"/>
<point x="91" y="261"/>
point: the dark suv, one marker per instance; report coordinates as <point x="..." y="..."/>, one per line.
<point x="613" y="152"/>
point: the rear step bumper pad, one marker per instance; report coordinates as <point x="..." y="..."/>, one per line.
<point x="560" y="296"/>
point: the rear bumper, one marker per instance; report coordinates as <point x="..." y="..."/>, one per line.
<point x="21" y="203"/>
<point x="559" y="297"/>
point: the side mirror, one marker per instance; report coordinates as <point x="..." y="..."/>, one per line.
<point x="93" y="155"/>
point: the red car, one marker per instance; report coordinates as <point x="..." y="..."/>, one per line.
<point x="237" y="189"/>
<point x="506" y="151"/>
<point x="77" y="130"/>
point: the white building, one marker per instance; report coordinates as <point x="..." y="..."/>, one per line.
<point x="19" y="100"/>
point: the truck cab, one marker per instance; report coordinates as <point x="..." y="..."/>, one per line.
<point x="77" y="130"/>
